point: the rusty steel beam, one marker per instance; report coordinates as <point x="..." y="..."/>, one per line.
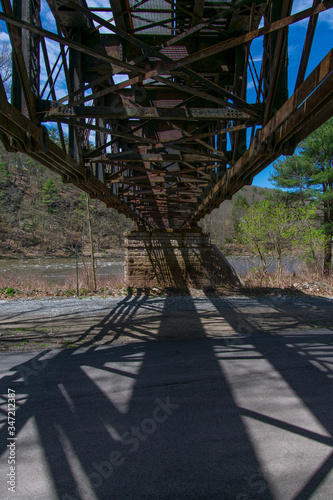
<point x="197" y="26"/>
<point x="108" y="131"/>
<point x="20" y="70"/>
<point x="21" y="134"/>
<point x="236" y="103"/>
<point x="307" y="47"/>
<point x="166" y="157"/>
<point x="314" y="95"/>
<point x="157" y="113"/>
<point x="248" y="37"/>
<point x="278" y="47"/>
<point x="12" y="21"/>
<point x="153" y="51"/>
<point x="191" y="90"/>
<point x="137" y="179"/>
<point x="52" y="91"/>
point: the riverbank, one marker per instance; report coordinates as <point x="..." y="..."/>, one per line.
<point x="56" y="277"/>
<point x="37" y="252"/>
<point x="63" y="253"/>
<point x="307" y="284"/>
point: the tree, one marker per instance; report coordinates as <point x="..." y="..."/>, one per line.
<point x="50" y="195"/>
<point x="293" y="174"/>
<point x="309" y="175"/>
<point x="4" y="175"/>
<point x="271" y="230"/>
<point x="92" y="250"/>
<point x="239" y="208"/>
<point x="6" y="66"/>
<point x="318" y="149"/>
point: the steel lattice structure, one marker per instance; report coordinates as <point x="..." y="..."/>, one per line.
<point x="149" y="97"/>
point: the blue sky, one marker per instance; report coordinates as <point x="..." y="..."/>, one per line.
<point x="323" y="42"/>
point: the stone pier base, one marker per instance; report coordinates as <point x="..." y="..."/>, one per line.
<point x="176" y="259"/>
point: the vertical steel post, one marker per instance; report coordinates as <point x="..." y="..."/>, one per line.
<point x="29" y="11"/>
<point x="16" y="90"/>
<point x="276" y="60"/>
<point x="75" y="134"/>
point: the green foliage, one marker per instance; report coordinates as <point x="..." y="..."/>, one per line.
<point x="239" y="208"/>
<point x="276" y="196"/>
<point x="241" y="201"/>
<point x="222" y="223"/>
<point x="309" y="175"/>
<point x="274" y="230"/>
<point x="293" y="173"/>
<point x="54" y="134"/>
<point x="50" y="195"/>
<point x="318" y="149"/>
<point x="10" y="291"/>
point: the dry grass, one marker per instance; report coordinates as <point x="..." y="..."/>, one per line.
<point x="31" y="286"/>
<point x="308" y="282"/>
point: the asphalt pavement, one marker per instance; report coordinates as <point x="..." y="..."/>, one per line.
<point x="243" y="415"/>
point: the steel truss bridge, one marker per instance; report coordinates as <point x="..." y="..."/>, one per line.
<point x="149" y="97"/>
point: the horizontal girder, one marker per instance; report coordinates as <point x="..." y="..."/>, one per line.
<point x="157" y="113"/>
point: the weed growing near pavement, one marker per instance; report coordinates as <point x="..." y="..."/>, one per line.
<point x="30" y="286"/>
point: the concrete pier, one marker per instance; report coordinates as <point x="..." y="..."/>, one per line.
<point x="175" y="258"/>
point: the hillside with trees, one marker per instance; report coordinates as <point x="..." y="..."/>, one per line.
<point x="39" y="215"/>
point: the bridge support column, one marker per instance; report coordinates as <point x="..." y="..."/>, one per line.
<point x="175" y="258"/>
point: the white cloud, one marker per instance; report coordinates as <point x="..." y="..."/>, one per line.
<point x="327" y="17"/>
<point x="300" y="5"/>
<point x="47" y="18"/>
<point x="324" y="17"/>
<point x="294" y="50"/>
<point x="53" y="49"/>
<point x="4" y="37"/>
<point x="96" y="3"/>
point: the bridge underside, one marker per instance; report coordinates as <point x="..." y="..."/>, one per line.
<point x="150" y="98"/>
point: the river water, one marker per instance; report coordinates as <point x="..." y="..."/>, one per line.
<point x="243" y="264"/>
<point x="56" y="270"/>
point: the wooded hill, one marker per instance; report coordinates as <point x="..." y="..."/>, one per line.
<point x="39" y="215"/>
